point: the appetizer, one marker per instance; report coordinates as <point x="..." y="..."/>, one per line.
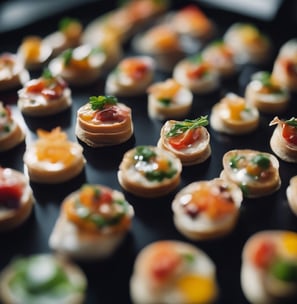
<point x="126" y="19"/>
<point x="291" y="194"/>
<point x="16" y="199"/>
<point x="131" y="76"/>
<point x="266" y="95"/>
<point x="189" y="140"/>
<point x="173" y="272"/>
<point x="269" y="267"/>
<point x="79" y="66"/>
<point x="11" y="133"/>
<point x="34" y="52"/>
<point x="207" y="209"/>
<point x="196" y="74"/>
<point x="103" y="121"/>
<point x="40" y="279"/>
<point x="221" y="57"/>
<point x="67" y="36"/>
<point x="12" y="72"/>
<point x="46" y="95"/>
<point x="284" y="70"/>
<point x="283" y="141"/>
<point x="233" y="115"/>
<point x="249" y="44"/>
<point x="162" y="43"/>
<point x="191" y="21"/>
<point x="169" y="99"/>
<point x="52" y="158"/>
<point x="93" y="222"/>
<point x="256" y="172"/>
<point x="148" y="171"/>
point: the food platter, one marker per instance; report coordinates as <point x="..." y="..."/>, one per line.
<point x="108" y="280"/>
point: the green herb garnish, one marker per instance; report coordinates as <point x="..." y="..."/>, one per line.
<point x="183" y="126"/>
<point x="65" y="22"/>
<point x="261" y="161"/>
<point x="165" y="101"/>
<point x="292" y="122"/>
<point x="196" y="58"/>
<point x="284" y="270"/>
<point x="99" y="102"/>
<point x="47" y="74"/>
<point x="67" y="56"/>
<point x="189" y="257"/>
<point x="144" y="153"/>
<point x="233" y="162"/>
<point x="264" y="77"/>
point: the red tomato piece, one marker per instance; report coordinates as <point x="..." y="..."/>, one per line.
<point x="290" y="134"/>
<point x="185" y="139"/>
<point x="10" y="195"/>
<point x="111" y="113"/>
<point x="264" y="254"/>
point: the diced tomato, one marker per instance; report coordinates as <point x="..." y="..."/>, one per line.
<point x="185" y="139"/>
<point x="164" y="263"/>
<point x="10" y="195"/>
<point x="35" y="86"/>
<point x="111" y="113"/>
<point x="289" y="66"/>
<point x="263" y="254"/>
<point x="290" y="134"/>
<point x="135" y="68"/>
<point x="198" y="72"/>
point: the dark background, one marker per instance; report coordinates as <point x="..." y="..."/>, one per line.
<point x="109" y="279"/>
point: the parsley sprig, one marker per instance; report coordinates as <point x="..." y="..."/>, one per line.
<point x="292" y="122"/>
<point x="188" y="124"/>
<point x="99" y="102"/>
<point x="264" y="77"/>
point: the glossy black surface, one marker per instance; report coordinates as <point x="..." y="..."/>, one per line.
<point x="109" y="279"/>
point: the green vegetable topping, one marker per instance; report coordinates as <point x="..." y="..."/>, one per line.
<point x="197" y="59"/>
<point x="144" y="153"/>
<point x="261" y="161"/>
<point x="189" y="257"/>
<point x="67" y="56"/>
<point x="164" y="101"/>
<point x="233" y="162"/>
<point x="292" y="122"/>
<point x="264" y="77"/>
<point x="99" y="102"/>
<point x="47" y="74"/>
<point x="65" y="22"/>
<point x="156" y="175"/>
<point x="284" y="271"/>
<point x="187" y="124"/>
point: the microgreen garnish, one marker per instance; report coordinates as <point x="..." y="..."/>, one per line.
<point x="233" y="162"/>
<point x="99" y="102"/>
<point x="183" y="126"/>
<point x="65" y="22"/>
<point x="144" y="153"/>
<point x="264" y="77"/>
<point x="47" y="74"/>
<point x="292" y="122"/>
<point x="261" y="161"/>
<point x="67" y="55"/>
<point x="196" y="58"/>
<point x="164" y="101"/>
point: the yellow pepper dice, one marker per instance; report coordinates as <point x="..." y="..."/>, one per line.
<point x="235" y="106"/>
<point x="290" y="243"/>
<point x="197" y="289"/>
<point x="253" y="169"/>
<point x="31" y="47"/>
<point x="86" y="195"/>
<point x="163" y="164"/>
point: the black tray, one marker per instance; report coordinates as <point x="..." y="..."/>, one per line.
<point x="109" y="279"/>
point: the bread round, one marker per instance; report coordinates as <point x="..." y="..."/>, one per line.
<point x="189" y="275"/>
<point x="195" y="153"/>
<point x="11" y="134"/>
<point x="246" y="120"/>
<point x="15" y="291"/>
<point x="138" y="176"/>
<point x="169" y="100"/>
<point x="131" y="76"/>
<point x="263" y="259"/>
<point x="86" y="64"/>
<point x="34" y="52"/>
<point x="241" y="168"/>
<point x="249" y="44"/>
<point x="98" y="133"/>
<point x="13" y="217"/>
<point x="39" y="104"/>
<point x="15" y="74"/>
<point x="82" y="242"/>
<point x="291" y="193"/>
<point x="52" y="170"/>
<point x="203" y="83"/>
<point x="283" y="149"/>
<point x="213" y="221"/>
